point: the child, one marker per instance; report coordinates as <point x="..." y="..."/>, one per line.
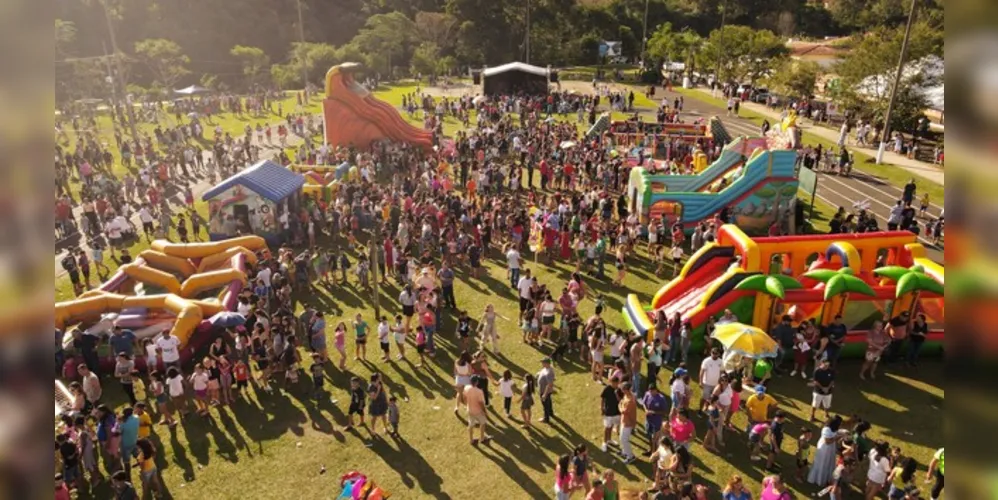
<point x="506" y="391"/>
<point x="677" y="258"/>
<point x="420" y="344"/>
<point x="357" y="396"/>
<point x="803" y="453"/>
<point x="399" y="332"/>
<point x="801" y="350"/>
<point x="775" y="440"/>
<point x="214" y="380"/>
<point x="199" y="380"/>
<point x="88" y="449"/>
<point x="384" y="331"/>
<point x="463" y="330"/>
<point x="158" y="389"/>
<point x="175" y="382"/>
<point x="756" y="436"/>
<point x="924" y="208"/>
<point x="360" y="328"/>
<point x="713" y="424"/>
<point x="393" y="416"/>
<point x="344" y="266"/>
<point x="318" y="377"/>
<point x="225" y="379"/>
<point x="241" y="373"/>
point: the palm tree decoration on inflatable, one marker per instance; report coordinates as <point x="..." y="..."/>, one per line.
<point x="909" y="283"/>
<point x="768" y="288"/>
<point x="838" y="285"/>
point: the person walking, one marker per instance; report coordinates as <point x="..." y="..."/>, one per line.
<point x="545" y="389"/>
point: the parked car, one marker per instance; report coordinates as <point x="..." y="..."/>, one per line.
<point x="760" y="95"/>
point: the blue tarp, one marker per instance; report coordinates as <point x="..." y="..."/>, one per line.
<point x="268" y="179"/>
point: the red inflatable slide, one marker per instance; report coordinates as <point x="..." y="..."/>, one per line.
<point x="353" y="116"/>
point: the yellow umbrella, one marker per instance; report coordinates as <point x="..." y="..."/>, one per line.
<point x="746" y="340"/>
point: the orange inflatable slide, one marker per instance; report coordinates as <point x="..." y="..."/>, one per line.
<point x="353" y="116"/>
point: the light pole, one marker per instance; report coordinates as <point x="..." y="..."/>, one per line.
<point x="644" y="35"/>
<point x="527" y="42"/>
<point x="720" y="50"/>
<point x="304" y="51"/>
<point x="119" y="72"/>
<point x="897" y="82"/>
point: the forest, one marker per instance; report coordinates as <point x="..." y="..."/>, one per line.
<point x="164" y="44"/>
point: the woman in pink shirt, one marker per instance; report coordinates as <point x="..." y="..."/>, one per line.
<point x="682" y="430"/>
<point x="774" y="489"/>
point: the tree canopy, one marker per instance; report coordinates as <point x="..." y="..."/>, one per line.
<point x="396" y="36"/>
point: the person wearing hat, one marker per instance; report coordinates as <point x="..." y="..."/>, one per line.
<point x="757" y="407"/>
<point x="545" y="388"/>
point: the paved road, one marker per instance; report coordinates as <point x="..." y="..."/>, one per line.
<point x="859" y="188"/>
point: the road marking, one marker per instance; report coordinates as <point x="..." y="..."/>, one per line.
<point x="927" y="241"/>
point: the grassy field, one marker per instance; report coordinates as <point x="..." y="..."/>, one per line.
<point x="266" y="442"/>
<point x="863" y="162"/>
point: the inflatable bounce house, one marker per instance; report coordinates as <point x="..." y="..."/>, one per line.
<point x="251" y="201"/>
<point x="865" y="277"/>
<point x="756" y="183"/>
<point x="354" y="117"/>
<point x="189" y="290"/>
<point x="656" y="138"/>
<point x="357" y="486"/>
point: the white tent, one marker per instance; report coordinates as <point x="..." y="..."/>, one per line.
<point x="193" y="89"/>
<point x="515" y="66"/>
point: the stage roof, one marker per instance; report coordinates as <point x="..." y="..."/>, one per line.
<point x="516" y="66"/>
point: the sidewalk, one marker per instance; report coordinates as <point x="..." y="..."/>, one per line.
<point x="929" y="171"/>
<point x="198" y="189"/>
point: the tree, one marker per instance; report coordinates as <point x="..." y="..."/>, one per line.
<point x="65" y="36"/>
<point x="253" y="60"/>
<point x="682" y="46"/>
<point x="165" y="59"/>
<point x="909" y="283"/>
<point x="424" y="59"/>
<point x="447" y="65"/>
<point x="794" y="78"/>
<point x="438" y="28"/>
<point x="867" y="73"/>
<point x="386" y="36"/>
<point x="767" y="289"/>
<point x="839" y="284"/>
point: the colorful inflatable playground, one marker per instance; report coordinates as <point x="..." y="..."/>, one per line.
<point x="354" y="117"/>
<point x="753" y="181"/>
<point x="865" y="277"/>
<point x="190" y="290"/>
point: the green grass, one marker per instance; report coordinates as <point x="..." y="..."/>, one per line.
<point x="266" y="442"/>
<point x="893" y="174"/>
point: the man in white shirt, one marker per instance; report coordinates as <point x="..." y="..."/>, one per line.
<point x="264" y="275"/>
<point x="710" y="373"/>
<point x="147" y="221"/>
<point x="169" y="349"/>
<point x="524" y="285"/>
<point x="513" y="263"/>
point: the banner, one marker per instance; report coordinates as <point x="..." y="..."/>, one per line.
<point x="610" y="49"/>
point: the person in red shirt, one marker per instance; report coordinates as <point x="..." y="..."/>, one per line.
<point x="153" y="194"/>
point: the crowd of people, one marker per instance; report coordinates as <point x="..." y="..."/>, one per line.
<point x="417" y="218"/>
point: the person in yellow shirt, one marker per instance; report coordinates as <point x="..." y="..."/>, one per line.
<point x="145" y="420"/>
<point x="758" y="406"/>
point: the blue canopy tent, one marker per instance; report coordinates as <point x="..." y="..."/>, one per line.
<point x="253" y="202"/>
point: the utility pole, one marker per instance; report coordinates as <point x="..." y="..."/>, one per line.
<point x="897" y="82"/>
<point x="527" y="43"/>
<point x="720" y="50"/>
<point x="304" y="51"/>
<point x="374" y="244"/>
<point x="644" y="35"/>
<point x="120" y="72"/>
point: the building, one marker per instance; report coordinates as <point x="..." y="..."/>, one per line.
<point x="253" y="201"/>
